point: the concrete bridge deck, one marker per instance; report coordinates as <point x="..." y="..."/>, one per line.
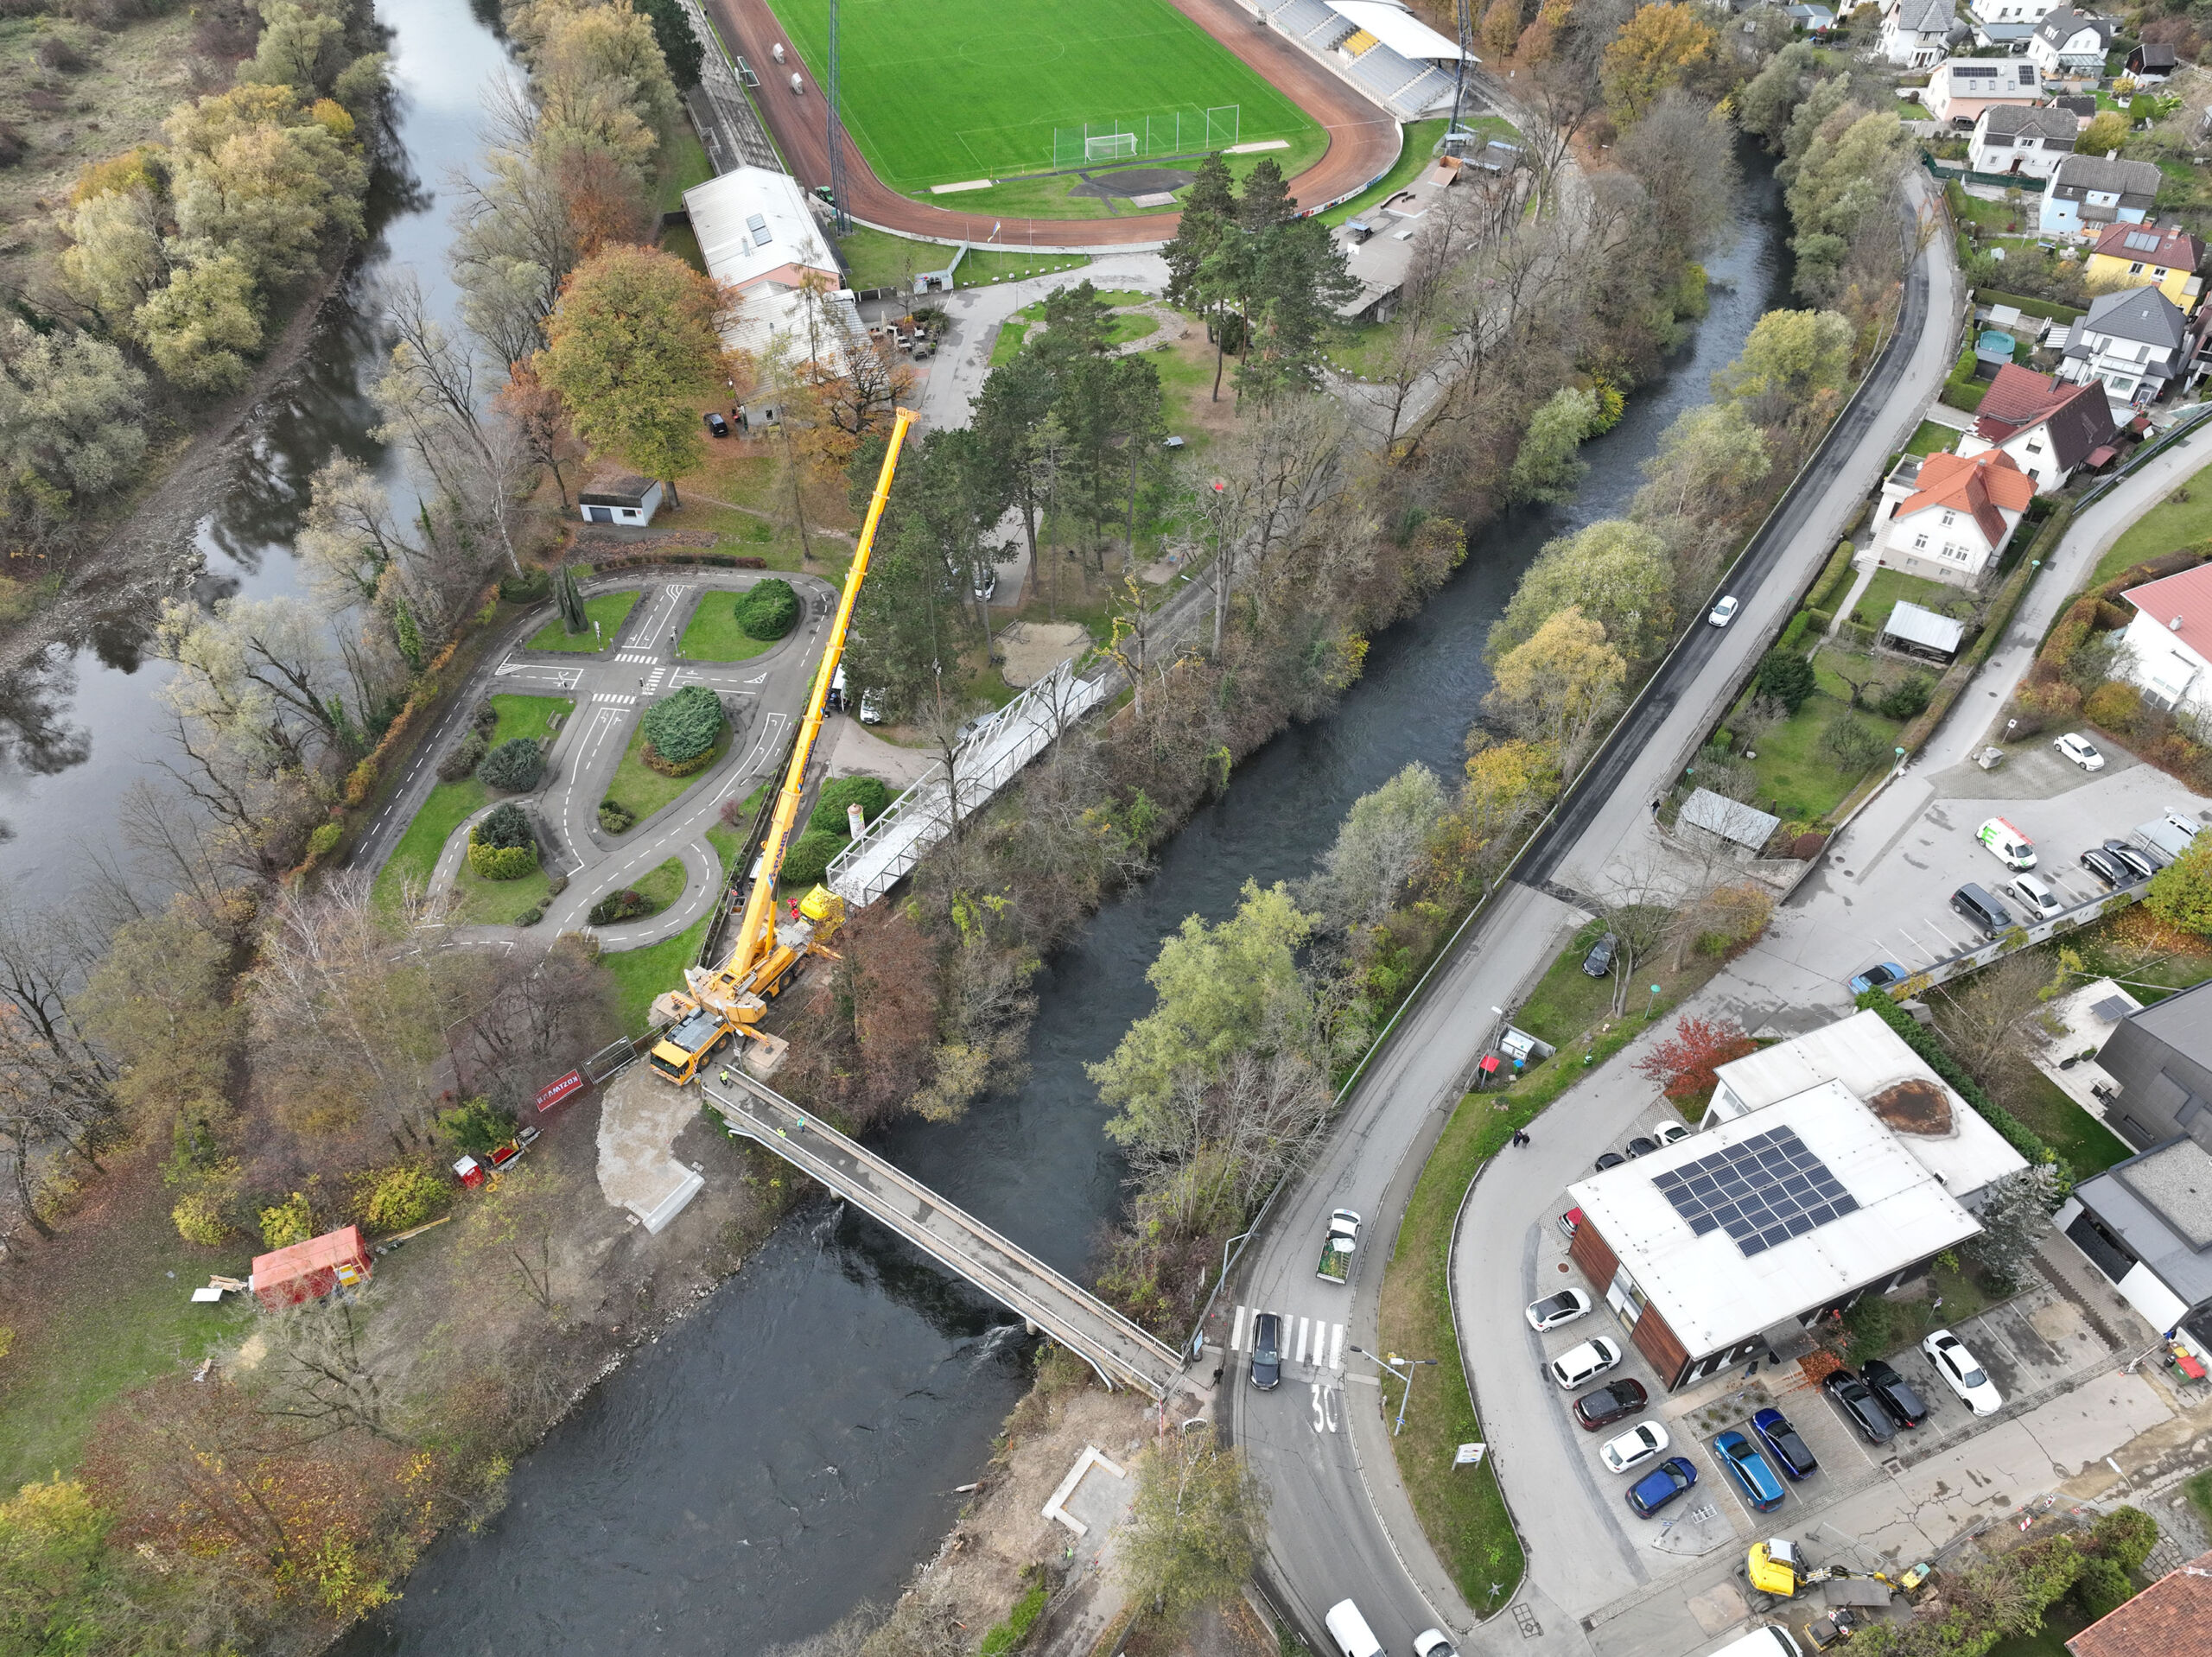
<point x="1121" y="1352"/>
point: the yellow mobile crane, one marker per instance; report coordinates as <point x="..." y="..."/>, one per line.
<point x="714" y="1007"/>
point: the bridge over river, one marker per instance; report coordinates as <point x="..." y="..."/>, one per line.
<point x="1122" y="1354"/>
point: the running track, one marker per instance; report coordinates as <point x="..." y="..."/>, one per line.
<point x="1363" y="140"/>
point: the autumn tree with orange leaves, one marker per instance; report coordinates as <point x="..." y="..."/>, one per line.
<point x="1685" y="1063"/>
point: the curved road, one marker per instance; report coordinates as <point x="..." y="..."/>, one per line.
<point x="1363" y="141"/>
<point x="612" y="689"/>
<point x="1341" y="1525"/>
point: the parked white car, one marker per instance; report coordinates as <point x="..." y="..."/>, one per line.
<point x="1634" y="1447"/>
<point x="1962" y="1374"/>
<point x="1556" y="1308"/>
<point x="1585" y="1362"/>
<point x="2081" y="751"/>
<point x="1671" y="1132"/>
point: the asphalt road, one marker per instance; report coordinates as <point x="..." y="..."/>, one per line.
<point x="1341" y="1525"/>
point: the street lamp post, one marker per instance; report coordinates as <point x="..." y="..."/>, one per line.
<point x="1392" y="1361"/>
<point x="1649" y="1006"/>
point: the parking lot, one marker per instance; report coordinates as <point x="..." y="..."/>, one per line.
<point x="1885" y="896"/>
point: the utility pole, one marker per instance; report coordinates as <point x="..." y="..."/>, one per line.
<point x="1458" y="81"/>
<point x="838" y="134"/>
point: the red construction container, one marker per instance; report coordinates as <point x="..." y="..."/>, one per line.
<point x="309" y="1270"/>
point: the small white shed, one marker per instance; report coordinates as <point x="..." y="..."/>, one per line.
<point x="620" y="498"/>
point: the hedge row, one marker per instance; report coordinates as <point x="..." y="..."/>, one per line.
<point x="2050" y="311"/>
<point x="647" y="560"/>
<point x="2016" y="1132"/>
<point x="1834" y="578"/>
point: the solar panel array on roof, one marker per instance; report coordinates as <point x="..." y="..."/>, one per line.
<point x="1764" y="1190"/>
<point x="2141" y="241"/>
<point x="2112" y="1009"/>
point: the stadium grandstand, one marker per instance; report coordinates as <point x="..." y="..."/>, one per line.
<point x="1378" y="45"/>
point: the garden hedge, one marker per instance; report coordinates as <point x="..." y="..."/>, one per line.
<point x="1923" y="1041"/>
<point x="768" y="610"/>
<point x="501" y="846"/>
<point x="681" y="730"/>
<point x="808" y="859"/>
<point x="866" y="792"/>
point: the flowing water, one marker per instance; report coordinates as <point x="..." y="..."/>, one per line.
<point x="791" y="1450"/>
<point x="79" y="724"/>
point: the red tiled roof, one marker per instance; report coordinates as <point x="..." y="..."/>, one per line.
<point x="2176" y="250"/>
<point x="2186" y="598"/>
<point x="2077" y="417"/>
<point x="2170" y="1618"/>
<point x="1988" y="486"/>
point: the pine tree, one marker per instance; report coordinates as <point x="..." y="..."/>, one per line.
<point x="572" y="600"/>
<point x="1266" y="198"/>
<point x="407" y="634"/>
<point x="1209" y="207"/>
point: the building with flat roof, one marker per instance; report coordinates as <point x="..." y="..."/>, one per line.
<point x="1873" y="1063"/>
<point x="1735" y="1241"/>
<point x="758" y="234"/>
<point x="2146" y="1223"/>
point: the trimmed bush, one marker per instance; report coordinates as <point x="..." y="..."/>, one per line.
<point x="501" y="846"/>
<point x="768" y="609"/>
<point x="681" y="730"/>
<point x="1787" y="678"/>
<point x="1793" y="634"/>
<point x="808" y="859"/>
<point x="463" y="756"/>
<point x="199" y="1216"/>
<point x="2102" y="1588"/>
<point x="868" y="792"/>
<point x="529" y="916"/>
<point x="324" y="840"/>
<point x="2114" y="705"/>
<point x="514" y="767"/>
<point x="614" y="818"/>
<point x="477" y="1124"/>
<point x="627" y="904"/>
<point x="403" y="1197"/>
<point x="1907" y="698"/>
<point x="527" y="588"/>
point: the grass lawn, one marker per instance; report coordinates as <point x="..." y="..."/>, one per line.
<point x="2137" y="950"/>
<point x="1797" y="782"/>
<point x="2173" y="522"/>
<point x="609" y="610"/>
<point x="1889" y="585"/>
<point x="1913" y="112"/>
<point x="1878" y="1326"/>
<point x="875" y="258"/>
<point x="978" y="92"/>
<point x="131" y="1321"/>
<point x="2200" y="1495"/>
<point x="985" y="267"/>
<point x="683" y="242"/>
<point x="640" y="975"/>
<point x="450" y="803"/>
<point x="1931" y="438"/>
<point x="1567" y="1001"/>
<point x="497" y="903"/>
<point x="1120" y="330"/>
<point x="644" y="790"/>
<point x="683" y="164"/>
<point x="664" y="886"/>
<point x="712" y="634"/>
<point x="2087" y="1146"/>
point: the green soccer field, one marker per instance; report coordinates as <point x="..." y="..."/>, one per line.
<point x="941" y="91"/>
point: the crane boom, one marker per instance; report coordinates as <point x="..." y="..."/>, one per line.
<point x="714" y="1006"/>
<point x="754" y="935"/>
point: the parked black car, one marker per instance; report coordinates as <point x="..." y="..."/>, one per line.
<point x="1789" y="1451"/>
<point x="1267" y="1351"/>
<point x="1599" y="960"/>
<point x="2107" y="867"/>
<point x="1640" y="1145"/>
<point x="1895" y="1393"/>
<point x="1610" y="1160"/>
<point x="2132" y="858"/>
<point x="1852" y="1396"/>
<point x="1609" y="1404"/>
<point x="717" y="424"/>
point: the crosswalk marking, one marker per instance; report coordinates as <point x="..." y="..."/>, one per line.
<point x="1316" y="1341"/>
<point x="634" y="655"/>
<point x="618" y="698"/>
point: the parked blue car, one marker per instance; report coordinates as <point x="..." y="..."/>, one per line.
<point x="1789" y="1452"/>
<point x="1877" y="976"/>
<point x="1661" y="1485"/>
<point x="1749" y="1469"/>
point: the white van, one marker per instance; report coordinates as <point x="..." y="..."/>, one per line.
<point x="1771" y="1641"/>
<point x="1349" y="1630"/>
<point x="2008" y="844"/>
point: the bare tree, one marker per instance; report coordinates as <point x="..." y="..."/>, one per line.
<point x="1636" y="899"/>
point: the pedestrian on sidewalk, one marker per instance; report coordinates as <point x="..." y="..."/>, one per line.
<point x="1654" y="808"/>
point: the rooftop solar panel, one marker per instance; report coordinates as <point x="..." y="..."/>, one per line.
<point x="1764" y="1189"/>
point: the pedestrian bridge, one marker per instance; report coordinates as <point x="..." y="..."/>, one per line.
<point x="1121" y="1353"/>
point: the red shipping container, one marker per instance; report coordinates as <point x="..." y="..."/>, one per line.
<point x="309" y="1270"/>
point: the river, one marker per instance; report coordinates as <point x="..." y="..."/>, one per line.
<point x="79" y="725"/>
<point x="792" y="1448"/>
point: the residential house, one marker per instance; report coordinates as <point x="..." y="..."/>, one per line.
<point x="758" y="235"/>
<point x="1960" y="88"/>
<point x="2135" y="341"/>
<point x="2150" y="63"/>
<point x="2048" y="425"/>
<point x="2089" y="192"/>
<point x="1809" y="19"/>
<point x="1946" y="517"/>
<point x="2027" y="140"/>
<point x="2170" y="1618"/>
<point x="2005" y="25"/>
<point x="619" y="497"/>
<point x="2169" y="656"/>
<point x="2160" y="1060"/>
<point x="2146" y="1224"/>
<point x="2083" y="107"/>
<point x="1735" y="1242"/>
<point x="2132" y="256"/>
<point x="2070" y="45"/>
<point x="1916" y="33"/>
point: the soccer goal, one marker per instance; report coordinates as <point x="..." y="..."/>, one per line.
<point x="1186" y="131"/>
<point x="1109" y="146"/>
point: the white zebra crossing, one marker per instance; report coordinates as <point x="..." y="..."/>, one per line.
<point x="1312" y="1341"/>
<point x="616" y="698"/>
<point x="639" y="657"/>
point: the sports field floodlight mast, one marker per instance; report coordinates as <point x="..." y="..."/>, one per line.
<point x="1458" y="79"/>
<point x="838" y="215"/>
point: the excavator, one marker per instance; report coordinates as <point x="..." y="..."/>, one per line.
<point x="715" y="1008"/>
<point x="1777" y="1568"/>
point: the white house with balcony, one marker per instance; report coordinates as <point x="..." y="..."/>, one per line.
<point x="2070" y="45"/>
<point x="2135" y="341"/>
<point x="1960" y="89"/>
<point x="1946" y="517"/>
<point x="2006" y="24"/>
<point x="2023" y="140"/>
<point x="1916" y="33"/>
<point x="2168" y="652"/>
